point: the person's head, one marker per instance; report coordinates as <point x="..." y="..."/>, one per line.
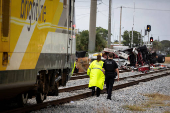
<point x="98" y="58"/>
<point x="111" y="55"/>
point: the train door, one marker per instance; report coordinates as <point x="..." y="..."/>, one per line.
<point x="69" y="28"/>
<point x="4" y="30"/>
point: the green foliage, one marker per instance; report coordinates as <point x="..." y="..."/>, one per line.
<point x="116" y="42"/>
<point x="162" y="46"/>
<point x="127" y="39"/>
<point x="100" y="42"/>
<point x="157" y="45"/>
<point x="82" y="40"/>
<point x="103" y="32"/>
<point x="168" y="55"/>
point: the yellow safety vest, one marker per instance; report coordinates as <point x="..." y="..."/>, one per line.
<point x="73" y="68"/>
<point x="97" y="77"/>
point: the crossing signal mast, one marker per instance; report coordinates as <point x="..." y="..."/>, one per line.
<point x="149" y="29"/>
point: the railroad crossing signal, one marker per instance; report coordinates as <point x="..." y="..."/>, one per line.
<point x="145" y="31"/>
<point x="151" y="39"/>
<point x="148" y="28"/>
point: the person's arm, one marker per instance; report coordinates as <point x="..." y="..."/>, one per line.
<point x="117" y="70"/>
<point x="89" y="69"/>
<point x="103" y="68"/>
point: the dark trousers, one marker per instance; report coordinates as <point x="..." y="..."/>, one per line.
<point x="109" y="85"/>
<point x="97" y="91"/>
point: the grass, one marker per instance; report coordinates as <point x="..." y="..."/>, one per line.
<point x="158" y="97"/>
<point x="166" y="112"/>
<point x="134" y="107"/>
<point x="155" y="99"/>
<point x="102" y="110"/>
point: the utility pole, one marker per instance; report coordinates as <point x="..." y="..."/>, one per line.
<point x="129" y="38"/>
<point x="141" y="37"/>
<point x="144" y="35"/>
<point x="132" y="38"/>
<point x="109" y="24"/>
<point x="148" y="39"/>
<point x="133" y="25"/>
<point x="120" y="25"/>
<point x="92" y="29"/>
<point x="138" y="38"/>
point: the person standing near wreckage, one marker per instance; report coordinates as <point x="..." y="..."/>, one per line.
<point x="111" y="70"/>
<point x="96" y="75"/>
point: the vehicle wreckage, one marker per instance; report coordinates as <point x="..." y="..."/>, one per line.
<point x="140" y="58"/>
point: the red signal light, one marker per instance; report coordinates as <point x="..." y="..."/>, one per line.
<point x="151" y="39"/>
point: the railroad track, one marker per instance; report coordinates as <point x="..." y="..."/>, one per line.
<point x="86" y="85"/>
<point x="86" y="94"/>
<point x="84" y="75"/>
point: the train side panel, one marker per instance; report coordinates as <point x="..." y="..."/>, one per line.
<point x="34" y="37"/>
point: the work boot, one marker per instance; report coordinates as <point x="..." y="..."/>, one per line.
<point x="98" y="95"/>
<point x="109" y="98"/>
<point x="98" y="92"/>
<point x="93" y="92"/>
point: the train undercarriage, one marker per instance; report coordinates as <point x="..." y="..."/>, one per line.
<point x="47" y="83"/>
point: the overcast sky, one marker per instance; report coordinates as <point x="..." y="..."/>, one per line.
<point x="158" y="18"/>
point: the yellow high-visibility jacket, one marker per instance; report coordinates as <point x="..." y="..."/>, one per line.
<point x="73" y="68"/>
<point x="97" y="77"/>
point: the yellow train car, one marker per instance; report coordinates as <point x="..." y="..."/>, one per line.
<point x="37" y="47"/>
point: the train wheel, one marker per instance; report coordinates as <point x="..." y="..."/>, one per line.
<point x="22" y="99"/>
<point x="40" y="97"/>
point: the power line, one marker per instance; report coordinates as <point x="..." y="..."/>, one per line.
<point x="146" y="9"/>
<point x="104" y="3"/>
<point x="82" y="8"/>
<point x="103" y="14"/>
<point x="160" y="35"/>
<point x="89" y="13"/>
<point x="83" y="14"/>
<point x="81" y="17"/>
<point x="87" y="6"/>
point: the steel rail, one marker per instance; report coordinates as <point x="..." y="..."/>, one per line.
<point x="86" y="85"/>
<point x="82" y="73"/>
<point x="80" y="96"/>
<point x="86" y="76"/>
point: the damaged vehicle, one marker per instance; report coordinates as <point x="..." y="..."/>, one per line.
<point x="132" y="57"/>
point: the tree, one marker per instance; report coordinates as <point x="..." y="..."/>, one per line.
<point x="100" y="42"/>
<point x="82" y="40"/>
<point x="127" y="39"/>
<point x="157" y="45"/>
<point x="116" y="42"/>
<point x="165" y="46"/>
<point x="103" y="32"/>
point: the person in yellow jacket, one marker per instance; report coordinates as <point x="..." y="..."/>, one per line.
<point x="97" y="77"/>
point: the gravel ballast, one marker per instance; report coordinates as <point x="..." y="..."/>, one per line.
<point x="127" y="96"/>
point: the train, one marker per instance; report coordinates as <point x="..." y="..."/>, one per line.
<point x="37" y="48"/>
